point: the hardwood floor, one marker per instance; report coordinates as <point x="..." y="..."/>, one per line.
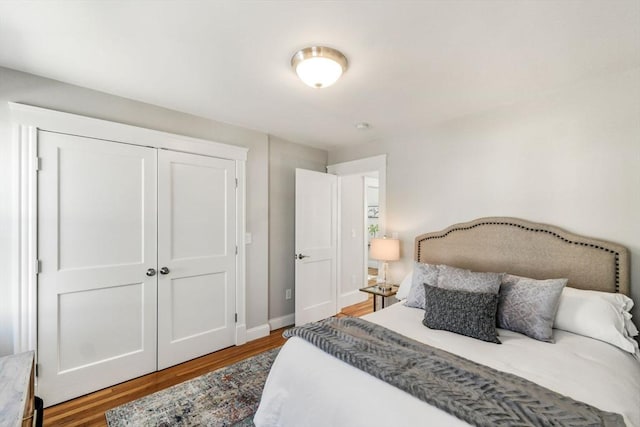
<point x="89" y="410"/>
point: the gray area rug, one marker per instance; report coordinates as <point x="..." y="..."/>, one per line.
<point x="226" y="397"/>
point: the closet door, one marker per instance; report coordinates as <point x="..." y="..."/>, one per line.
<point x="96" y="241"/>
<point x="196" y="256"/>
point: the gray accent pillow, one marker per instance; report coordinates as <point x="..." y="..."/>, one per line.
<point x="529" y="306"/>
<point x="467" y="313"/>
<point x="422" y="273"/>
<point x="460" y="279"/>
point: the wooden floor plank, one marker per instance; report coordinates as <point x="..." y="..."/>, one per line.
<point x="89" y="410"/>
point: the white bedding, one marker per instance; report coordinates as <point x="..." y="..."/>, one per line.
<point x="307" y="387"/>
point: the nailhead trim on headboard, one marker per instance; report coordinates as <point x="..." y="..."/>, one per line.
<point x="536" y="230"/>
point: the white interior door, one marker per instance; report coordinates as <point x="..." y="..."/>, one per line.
<point x="96" y="240"/>
<point x="316" y="246"/>
<point x="197" y="247"/>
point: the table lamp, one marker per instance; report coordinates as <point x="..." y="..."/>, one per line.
<point x="385" y="250"/>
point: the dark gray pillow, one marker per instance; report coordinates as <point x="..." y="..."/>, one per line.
<point x="467" y="313"/>
<point x="529" y="306"/>
<point x="466" y="280"/>
<point x="422" y="273"/>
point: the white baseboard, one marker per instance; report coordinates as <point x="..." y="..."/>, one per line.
<point x="351" y="298"/>
<point x="258" y="332"/>
<point x="241" y="334"/>
<point x="281" y="322"/>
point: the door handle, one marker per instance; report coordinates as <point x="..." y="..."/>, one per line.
<point x="164" y="270"/>
<point x="151" y="272"/>
<point x="300" y="256"/>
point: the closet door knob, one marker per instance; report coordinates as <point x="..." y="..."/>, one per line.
<point x="151" y="272"/>
<point x="164" y="270"/>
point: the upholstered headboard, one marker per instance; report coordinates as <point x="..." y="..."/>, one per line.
<point x="529" y="249"/>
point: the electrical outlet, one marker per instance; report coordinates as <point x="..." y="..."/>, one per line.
<point x="287" y="294"/>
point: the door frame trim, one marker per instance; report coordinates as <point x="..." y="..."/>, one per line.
<point x="27" y="120"/>
<point x="57" y="121"/>
<point x="24" y="239"/>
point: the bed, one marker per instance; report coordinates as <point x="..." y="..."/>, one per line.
<point x="308" y="387"/>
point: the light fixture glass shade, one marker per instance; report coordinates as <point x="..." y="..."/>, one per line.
<point x="385" y="249"/>
<point x="319" y="66"/>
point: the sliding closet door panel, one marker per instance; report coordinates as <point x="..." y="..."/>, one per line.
<point x="96" y="239"/>
<point x="197" y="245"/>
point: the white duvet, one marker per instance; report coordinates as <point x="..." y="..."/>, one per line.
<point x="308" y="387"/>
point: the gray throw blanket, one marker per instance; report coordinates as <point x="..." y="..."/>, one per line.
<point x="475" y="393"/>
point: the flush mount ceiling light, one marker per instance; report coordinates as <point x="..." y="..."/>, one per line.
<point x="319" y="66"/>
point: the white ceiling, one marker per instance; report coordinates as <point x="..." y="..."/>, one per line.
<point x="412" y="63"/>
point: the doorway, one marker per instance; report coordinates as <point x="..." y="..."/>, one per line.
<point x="361" y="216"/>
<point x="372" y="226"/>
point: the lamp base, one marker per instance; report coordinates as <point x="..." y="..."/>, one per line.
<point x="384" y="286"/>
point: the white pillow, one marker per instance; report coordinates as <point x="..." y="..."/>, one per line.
<point x="405" y="286"/>
<point x="600" y="315"/>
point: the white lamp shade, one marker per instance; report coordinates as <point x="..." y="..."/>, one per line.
<point x="385" y="249"/>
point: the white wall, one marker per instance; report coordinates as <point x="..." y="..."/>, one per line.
<point x="284" y="158"/>
<point x="570" y="158"/>
<point x="30" y="89"/>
